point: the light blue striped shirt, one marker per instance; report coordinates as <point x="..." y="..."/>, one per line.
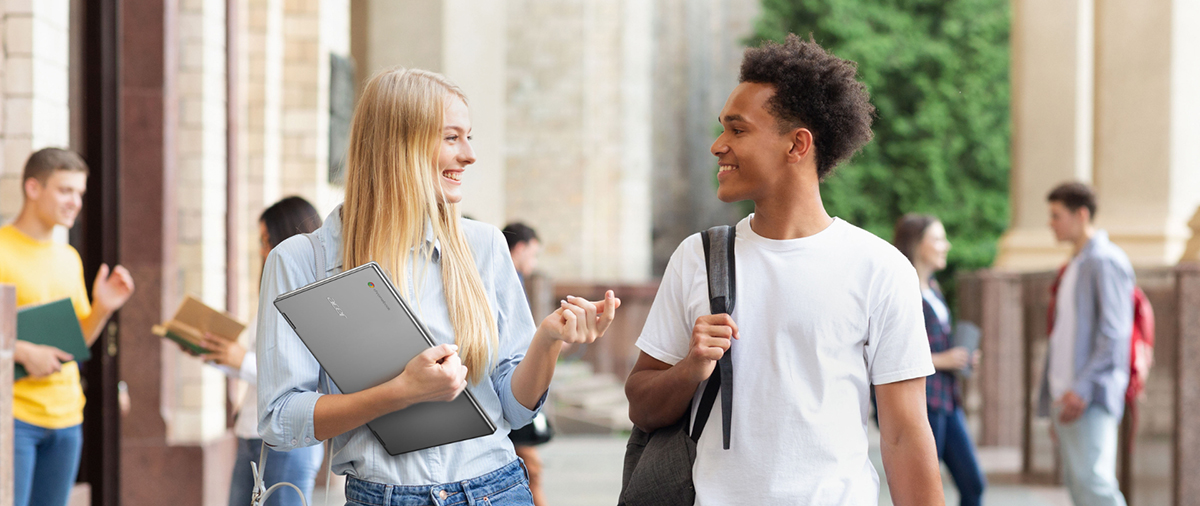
<point x="288" y="374"/>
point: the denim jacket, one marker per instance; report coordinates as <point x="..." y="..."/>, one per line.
<point x="1103" y="325"/>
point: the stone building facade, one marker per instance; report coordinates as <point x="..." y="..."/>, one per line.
<point x="1104" y="92"/>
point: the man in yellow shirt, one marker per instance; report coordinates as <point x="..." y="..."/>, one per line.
<point x="48" y="404"/>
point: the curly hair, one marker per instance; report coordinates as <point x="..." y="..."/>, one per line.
<point x="815" y="90"/>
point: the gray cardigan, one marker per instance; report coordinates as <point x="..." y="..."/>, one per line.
<point x="1103" y="325"/>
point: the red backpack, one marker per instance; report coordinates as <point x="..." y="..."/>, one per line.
<point x="1141" y="342"/>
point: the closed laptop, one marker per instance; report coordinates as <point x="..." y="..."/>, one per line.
<point x="363" y="334"/>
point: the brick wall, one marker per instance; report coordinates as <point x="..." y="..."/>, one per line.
<point x="33" y="89"/>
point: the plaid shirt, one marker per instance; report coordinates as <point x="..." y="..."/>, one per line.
<point x="941" y="388"/>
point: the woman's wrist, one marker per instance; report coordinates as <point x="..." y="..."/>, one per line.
<point x="544" y="343"/>
<point x="395" y="394"/>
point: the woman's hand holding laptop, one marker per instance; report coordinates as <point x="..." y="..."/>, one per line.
<point x="436" y="374"/>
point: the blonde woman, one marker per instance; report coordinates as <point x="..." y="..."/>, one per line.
<point x="405" y="165"/>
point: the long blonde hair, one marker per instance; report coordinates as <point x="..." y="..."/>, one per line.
<point x="392" y="193"/>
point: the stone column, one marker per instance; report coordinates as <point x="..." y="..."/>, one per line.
<point x="1052" y="94"/>
<point x="198" y="414"/>
<point x="311" y="32"/>
<point x="261" y="82"/>
<point x="1147" y="164"/>
<point x="579" y="145"/>
<point x="1122" y="97"/>
<point x="473" y="56"/>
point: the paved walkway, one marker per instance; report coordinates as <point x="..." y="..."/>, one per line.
<point x="586" y="471"/>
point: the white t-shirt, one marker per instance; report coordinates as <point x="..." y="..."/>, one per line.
<point x="820" y="319"/>
<point x="1061" y="375"/>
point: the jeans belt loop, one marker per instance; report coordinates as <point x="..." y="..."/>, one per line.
<point x="467" y="492"/>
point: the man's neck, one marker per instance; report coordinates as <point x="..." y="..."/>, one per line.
<point x="791" y="215"/>
<point x="29" y="224"/>
<point x="1083" y="240"/>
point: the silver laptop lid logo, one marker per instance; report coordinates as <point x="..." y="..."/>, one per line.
<point x="337" y="308"/>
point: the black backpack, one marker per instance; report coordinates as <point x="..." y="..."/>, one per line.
<point x="658" y="465"/>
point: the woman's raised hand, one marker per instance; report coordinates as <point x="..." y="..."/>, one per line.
<point x="579" y="320"/>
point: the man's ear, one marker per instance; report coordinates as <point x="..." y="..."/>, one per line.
<point x="33" y="188"/>
<point x="802" y="145"/>
<point x="1084" y="214"/>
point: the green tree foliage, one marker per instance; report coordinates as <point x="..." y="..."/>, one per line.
<point x="937" y="71"/>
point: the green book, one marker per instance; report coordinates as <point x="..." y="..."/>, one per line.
<point x="162" y="331"/>
<point x="52" y="324"/>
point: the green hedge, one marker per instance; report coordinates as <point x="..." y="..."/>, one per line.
<point x="937" y="71"/>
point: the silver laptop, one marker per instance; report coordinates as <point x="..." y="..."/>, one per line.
<point x="363" y="334"/>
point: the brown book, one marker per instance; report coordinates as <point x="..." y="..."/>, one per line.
<point x="193" y="319"/>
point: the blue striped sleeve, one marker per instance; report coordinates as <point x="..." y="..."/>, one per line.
<point x="287" y="372"/>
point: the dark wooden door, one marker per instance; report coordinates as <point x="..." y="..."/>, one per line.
<point x="95" y="233"/>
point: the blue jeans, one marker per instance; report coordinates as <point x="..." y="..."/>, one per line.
<point x="298" y="467"/>
<point x="1088" y="447"/>
<point x="507" y="486"/>
<point x="45" y="463"/>
<point x="954" y="447"/>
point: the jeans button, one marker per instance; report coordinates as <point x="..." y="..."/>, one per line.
<point x="443" y="495"/>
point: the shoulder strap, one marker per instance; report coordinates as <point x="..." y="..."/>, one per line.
<point x="319" y="265"/>
<point x="320" y="272"/>
<point x="318" y="255"/>
<point x="722" y="281"/>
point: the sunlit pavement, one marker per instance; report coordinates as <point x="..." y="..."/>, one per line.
<point x="586" y="471"/>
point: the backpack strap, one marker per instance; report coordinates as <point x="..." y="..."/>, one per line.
<point x="722" y="281"/>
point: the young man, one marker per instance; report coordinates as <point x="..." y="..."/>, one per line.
<point x="48" y="404"/>
<point x="523" y="246"/>
<point x="824" y="310"/>
<point x="1087" y="367"/>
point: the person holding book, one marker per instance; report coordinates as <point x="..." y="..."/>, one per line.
<point x="288" y="217"/>
<point x="922" y="239"/>
<point x="409" y="150"/>
<point x="48" y="404"/>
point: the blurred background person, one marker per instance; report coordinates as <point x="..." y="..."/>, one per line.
<point x="288" y="217"/>
<point x="1087" y="363"/>
<point x="523" y="245"/>
<point x="47" y="405"/>
<point x="922" y="239"/>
